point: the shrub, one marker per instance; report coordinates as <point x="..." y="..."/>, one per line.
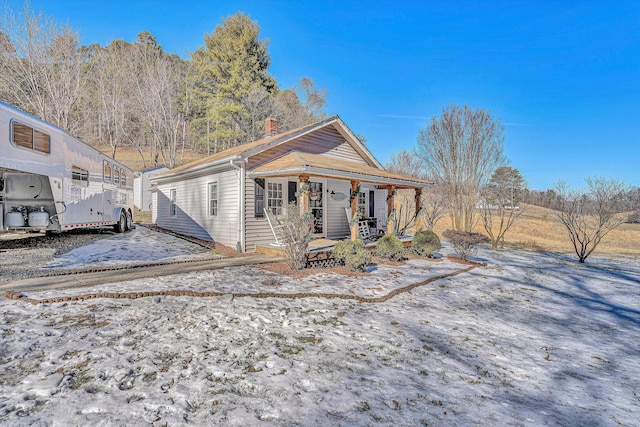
<point x="390" y="247"/>
<point x="296" y="234"/>
<point x="464" y="242"/>
<point x="352" y="253"/>
<point x="425" y="243"/>
<point x="634" y="217"/>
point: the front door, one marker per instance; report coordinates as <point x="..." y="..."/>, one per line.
<point x="316" y="204"/>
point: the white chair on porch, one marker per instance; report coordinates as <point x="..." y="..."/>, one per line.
<point x="363" y="226"/>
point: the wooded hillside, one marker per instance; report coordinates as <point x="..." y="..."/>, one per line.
<point x="136" y="96"/>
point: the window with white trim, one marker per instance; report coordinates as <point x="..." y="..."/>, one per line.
<point x="274" y="197"/>
<point x="172" y="203"/>
<point x="362" y="205"/>
<point x="213" y="199"/>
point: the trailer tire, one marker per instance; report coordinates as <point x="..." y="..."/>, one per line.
<point x="129" y="225"/>
<point x="121" y="225"/>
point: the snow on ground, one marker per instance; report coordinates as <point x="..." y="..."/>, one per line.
<point x="137" y="246"/>
<point x="531" y="339"/>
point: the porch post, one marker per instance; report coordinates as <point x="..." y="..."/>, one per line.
<point x="390" y="207"/>
<point x="304" y="195"/>
<point x="418" y="204"/>
<point x="354" y="209"/>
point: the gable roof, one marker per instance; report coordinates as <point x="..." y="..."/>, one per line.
<point x="244" y="151"/>
<point x="305" y="163"/>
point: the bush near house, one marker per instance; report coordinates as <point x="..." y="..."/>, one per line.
<point x="425" y="243"/>
<point x="464" y="242"/>
<point x="353" y="254"/>
<point x="390" y="247"/>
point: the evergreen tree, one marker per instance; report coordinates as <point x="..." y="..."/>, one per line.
<point x="230" y="66"/>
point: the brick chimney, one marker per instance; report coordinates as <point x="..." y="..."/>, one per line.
<point x="270" y="127"/>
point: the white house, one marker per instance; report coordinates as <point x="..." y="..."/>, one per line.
<point x="142" y="186"/>
<point x="322" y="167"/>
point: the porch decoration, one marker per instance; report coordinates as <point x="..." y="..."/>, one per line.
<point x="354" y="193"/>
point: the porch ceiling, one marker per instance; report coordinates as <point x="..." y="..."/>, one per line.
<point x="297" y="163"/>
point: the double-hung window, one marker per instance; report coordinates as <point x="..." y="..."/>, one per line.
<point x="362" y="205"/>
<point x="259" y="198"/>
<point x="172" y="203"/>
<point x="274" y="197"/>
<point x="213" y="199"/>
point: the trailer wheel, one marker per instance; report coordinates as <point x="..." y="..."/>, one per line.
<point x="129" y="225"/>
<point x="121" y="226"/>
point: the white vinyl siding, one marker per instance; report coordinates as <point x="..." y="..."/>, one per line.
<point x="193" y="219"/>
<point x="257" y="228"/>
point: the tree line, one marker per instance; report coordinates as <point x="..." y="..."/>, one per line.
<point x="137" y="95"/>
<point x="461" y="151"/>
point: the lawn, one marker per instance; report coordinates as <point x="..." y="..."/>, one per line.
<point x="530" y="339"/>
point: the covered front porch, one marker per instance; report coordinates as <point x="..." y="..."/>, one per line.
<point x="346" y="200"/>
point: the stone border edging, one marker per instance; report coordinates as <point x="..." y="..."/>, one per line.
<point x="20" y="296"/>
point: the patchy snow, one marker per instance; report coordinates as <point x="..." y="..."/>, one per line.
<point x="137" y="246"/>
<point x="532" y="339"/>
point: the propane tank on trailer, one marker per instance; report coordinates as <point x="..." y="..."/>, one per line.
<point x="15" y="218"/>
<point x="39" y="218"/>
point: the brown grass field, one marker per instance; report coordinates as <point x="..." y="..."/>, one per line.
<point x="535" y="230"/>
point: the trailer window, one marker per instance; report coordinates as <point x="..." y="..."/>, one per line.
<point x="107" y="172"/>
<point x="213" y="199"/>
<point x="172" y="203"/>
<point x="80" y="176"/>
<point x="27" y="137"/>
<point x="116" y="176"/>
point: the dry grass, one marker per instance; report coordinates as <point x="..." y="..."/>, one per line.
<point x="131" y="158"/>
<point x="537" y="230"/>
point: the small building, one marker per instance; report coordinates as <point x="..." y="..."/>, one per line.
<point x="142" y="186"/>
<point x="322" y="167"/>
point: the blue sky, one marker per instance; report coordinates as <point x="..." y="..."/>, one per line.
<point x="563" y="76"/>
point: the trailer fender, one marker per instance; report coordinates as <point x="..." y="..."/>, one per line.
<point x="117" y="212"/>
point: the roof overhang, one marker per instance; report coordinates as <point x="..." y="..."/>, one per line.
<point x="204" y="168"/>
<point x="339" y="174"/>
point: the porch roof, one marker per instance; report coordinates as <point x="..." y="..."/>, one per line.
<point x="298" y="163"/>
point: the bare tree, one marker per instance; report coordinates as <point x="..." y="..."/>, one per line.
<point x="42" y="69"/>
<point x="500" y="203"/>
<point x="434" y="205"/>
<point x="406" y="163"/>
<point x="590" y="215"/>
<point x="157" y="90"/>
<point x="113" y="73"/>
<point x="462" y="148"/>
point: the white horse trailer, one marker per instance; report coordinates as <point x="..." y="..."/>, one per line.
<point x="50" y="180"/>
